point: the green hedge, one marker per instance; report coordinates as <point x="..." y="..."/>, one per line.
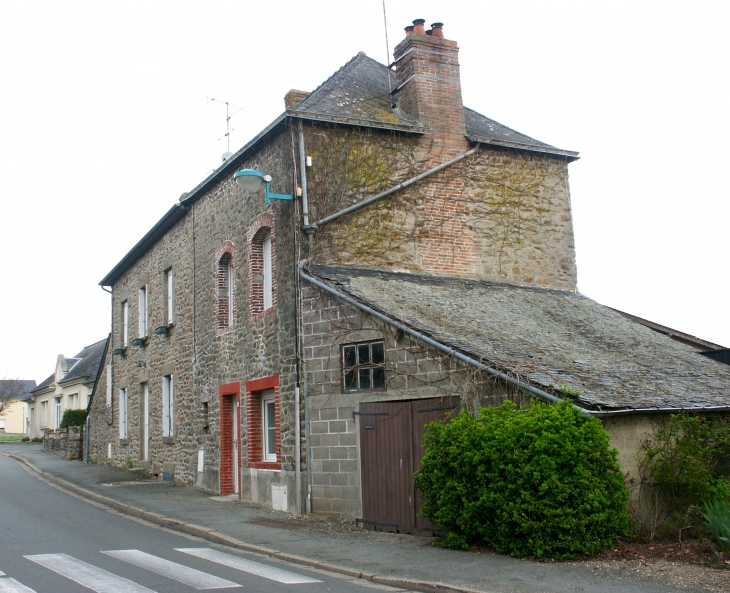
<point x="541" y="482"/>
<point x="73" y="418"/>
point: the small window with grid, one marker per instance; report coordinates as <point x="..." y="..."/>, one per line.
<point x="363" y="366"/>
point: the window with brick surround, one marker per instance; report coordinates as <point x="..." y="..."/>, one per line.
<point x="269" y="425"/>
<point x="262" y="267"/>
<point x="263" y="424"/>
<point x="225" y="269"/>
<point x="363" y="366"/>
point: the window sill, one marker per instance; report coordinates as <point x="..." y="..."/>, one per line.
<point x="273" y="465"/>
<point x="168" y="440"/>
<point x="141" y="342"/>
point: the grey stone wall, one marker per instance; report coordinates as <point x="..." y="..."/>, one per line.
<point x="199" y="357"/>
<point x="413" y="371"/>
<point x="66" y="442"/>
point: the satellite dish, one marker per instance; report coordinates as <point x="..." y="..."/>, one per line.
<point x="225" y="156"/>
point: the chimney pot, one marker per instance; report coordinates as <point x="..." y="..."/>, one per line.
<point x="429" y="32"/>
<point x="437" y="30"/>
<point x="418" y="27"/>
<point x="409" y="30"/>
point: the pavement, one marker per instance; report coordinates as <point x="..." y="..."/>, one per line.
<point x="402" y="561"/>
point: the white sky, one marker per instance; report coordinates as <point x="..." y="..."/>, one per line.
<point x="104" y="122"/>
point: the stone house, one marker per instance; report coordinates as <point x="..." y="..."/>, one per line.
<point x="289" y="348"/>
<point x="68" y="388"/>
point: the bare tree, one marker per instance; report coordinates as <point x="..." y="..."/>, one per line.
<point x="10" y="390"/>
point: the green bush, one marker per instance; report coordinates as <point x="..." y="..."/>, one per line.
<point x="717" y="516"/>
<point x="73" y="418"/>
<point x="688" y="463"/>
<point x="540" y="482"/>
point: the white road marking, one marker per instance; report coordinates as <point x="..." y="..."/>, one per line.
<point x="177" y="572"/>
<point x="13" y="586"/>
<point x="86" y="575"/>
<point x="249" y="566"/>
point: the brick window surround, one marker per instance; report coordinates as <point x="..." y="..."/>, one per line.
<point x="225" y="288"/>
<point x="255" y="420"/>
<point x="230" y="399"/>
<point x="262" y="228"/>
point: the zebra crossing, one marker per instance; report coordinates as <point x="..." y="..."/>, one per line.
<point x="100" y="580"/>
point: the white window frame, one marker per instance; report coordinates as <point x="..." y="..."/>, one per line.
<point x="125" y="324"/>
<point x="109" y="384"/>
<point x="268" y="277"/>
<point x="170" y="300"/>
<point x="123" y="411"/>
<point x="144" y="315"/>
<point x="268" y="416"/>
<point x="73" y="401"/>
<point x="58" y="411"/>
<point x="168" y="406"/>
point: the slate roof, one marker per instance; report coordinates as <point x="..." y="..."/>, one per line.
<point x="47" y="382"/>
<point x="84" y="366"/>
<point x="359" y="93"/>
<point x="87" y="366"/>
<point x="548" y="338"/>
<point x="26" y="386"/>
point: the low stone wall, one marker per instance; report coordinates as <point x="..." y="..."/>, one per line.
<point x="66" y="442"/>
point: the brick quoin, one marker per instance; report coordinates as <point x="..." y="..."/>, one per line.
<point x="254" y="422"/>
<point x="225" y="255"/>
<point x="230" y="398"/>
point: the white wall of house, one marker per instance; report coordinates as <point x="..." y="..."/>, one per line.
<point x="12" y="420"/>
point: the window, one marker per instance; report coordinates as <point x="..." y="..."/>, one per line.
<point x="262" y="267"/>
<point x="168" y="405"/>
<point x="169" y="296"/>
<point x="363" y="366"/>
<point x="123" y="413"/>
<point x="269" y="416"/>
<point x="109" y="384"/>
<point x="226" y="301"/>
<point x="143" y="311"/>
<point x="73" y="401"/>
<point x="58" y="412"/>
<point x="125" y="323"/>
<point x="268" y="287"/>
<point x="263" y="423"/>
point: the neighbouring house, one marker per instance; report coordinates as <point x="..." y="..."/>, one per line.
<point x="376" y="258"/>
<point x="68" y="388"/>
<point x="14" y="416"/>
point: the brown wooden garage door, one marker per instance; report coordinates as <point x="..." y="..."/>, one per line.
<point x="391" y="449"/>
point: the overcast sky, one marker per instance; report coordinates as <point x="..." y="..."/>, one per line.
<point x="105" y="121"/>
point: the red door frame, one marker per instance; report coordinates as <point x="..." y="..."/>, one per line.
<point x="230" y="424"/>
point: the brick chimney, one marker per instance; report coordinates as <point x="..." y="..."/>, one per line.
<point x="429" y="86"/>
<point x="293" y="98"/>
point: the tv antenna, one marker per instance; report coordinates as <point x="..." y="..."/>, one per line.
<point x="229" y="115"/>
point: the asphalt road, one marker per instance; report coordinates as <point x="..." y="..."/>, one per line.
<point x="52" y="542"/>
